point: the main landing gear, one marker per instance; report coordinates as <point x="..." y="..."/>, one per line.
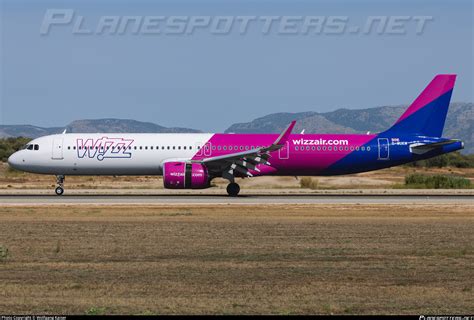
<point x="233" y="189"/>
<point x="60" y="188"/>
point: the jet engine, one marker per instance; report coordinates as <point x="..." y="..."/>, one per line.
<point x="182" y="175"/>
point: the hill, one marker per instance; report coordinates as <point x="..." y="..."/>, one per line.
<point x="90" y="126"/>
<point x="459" y="123"/>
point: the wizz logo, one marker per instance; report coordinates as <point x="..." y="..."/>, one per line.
<point x="104" y="148"/>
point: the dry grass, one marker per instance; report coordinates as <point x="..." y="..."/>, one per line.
<point x="237" y="259"/>
<point x="308" y="182"/>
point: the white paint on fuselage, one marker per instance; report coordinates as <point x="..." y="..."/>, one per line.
<point x="131" y="161"/>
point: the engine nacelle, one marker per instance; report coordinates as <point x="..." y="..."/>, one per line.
<point x="182" y="175"/>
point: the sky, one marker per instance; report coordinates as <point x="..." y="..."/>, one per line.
<point x="208" y="81"/>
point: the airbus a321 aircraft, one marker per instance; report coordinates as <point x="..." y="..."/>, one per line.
<point x="191" y="161"/>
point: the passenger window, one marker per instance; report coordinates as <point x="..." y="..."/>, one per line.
<point x="179" y="147"/>
<point x="74" y="147"/>
<point x="146" y="147"/>
<point x="69" y="148"/>
<point x="174" y="147"/>
<point x="368" y="148"/>
<point x="296" y="148"/>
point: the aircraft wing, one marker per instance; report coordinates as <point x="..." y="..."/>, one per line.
<point x="425" y="147"/>
<point x="239" y="163"/>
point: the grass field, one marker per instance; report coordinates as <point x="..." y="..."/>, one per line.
<point x="237" y="259"/>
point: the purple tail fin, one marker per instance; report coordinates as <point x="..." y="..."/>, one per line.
<point x="427" y="114"/>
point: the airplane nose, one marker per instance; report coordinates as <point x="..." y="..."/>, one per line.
<point x="14" y="160"/>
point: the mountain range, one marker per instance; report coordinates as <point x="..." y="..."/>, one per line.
<point x="459" y="124"/>
<point x="90" y="126"/>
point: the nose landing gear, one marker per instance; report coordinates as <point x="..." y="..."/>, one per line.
<point x="233" y="189"/>
<point x="60" y="188"/>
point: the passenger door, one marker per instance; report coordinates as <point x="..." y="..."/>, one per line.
<point x="57" y="149"/>
<point x="384" y="149"/>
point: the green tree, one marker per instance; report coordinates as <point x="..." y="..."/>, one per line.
<point x="10" y="145"/>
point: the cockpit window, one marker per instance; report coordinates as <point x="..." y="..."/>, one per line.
<point x="31" y="147"/>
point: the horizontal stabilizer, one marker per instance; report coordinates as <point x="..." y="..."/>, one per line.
<point x="420" y="148"/>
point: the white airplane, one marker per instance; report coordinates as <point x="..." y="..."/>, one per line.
<point x="191" y="161"/>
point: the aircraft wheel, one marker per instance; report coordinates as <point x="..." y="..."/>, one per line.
<point x="59" y="191"/>
<point x="233" y="189"/>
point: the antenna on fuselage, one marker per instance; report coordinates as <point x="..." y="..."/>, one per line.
<point x="64" y="131"/>
<point x="302" y="131"/>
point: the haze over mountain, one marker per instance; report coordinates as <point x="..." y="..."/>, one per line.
<point x="459" y="124"/>
<point x="90" y="126"/>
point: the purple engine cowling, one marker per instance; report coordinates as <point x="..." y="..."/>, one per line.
<point x="182" y="175"/>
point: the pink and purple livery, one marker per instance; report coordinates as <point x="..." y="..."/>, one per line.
<point x="193" y="160"/>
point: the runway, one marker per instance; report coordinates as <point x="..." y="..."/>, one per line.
<point x="212" y="199"/>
